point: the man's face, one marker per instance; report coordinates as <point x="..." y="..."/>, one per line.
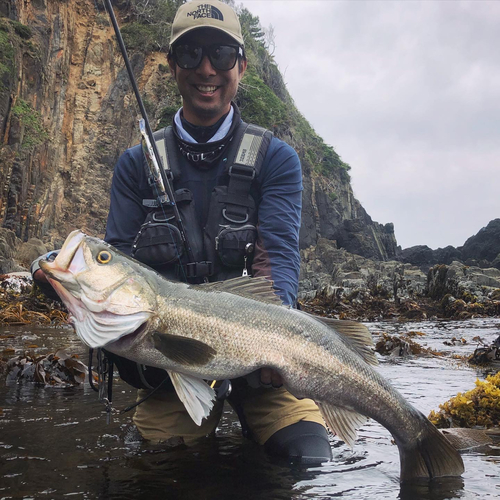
<point x="207" y="92"/>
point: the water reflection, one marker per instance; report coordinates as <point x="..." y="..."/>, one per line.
<point x="54" y="442"/>
<point x="437" y="489"/>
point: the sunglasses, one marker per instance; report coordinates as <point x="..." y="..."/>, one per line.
<point x="221" y="57"/>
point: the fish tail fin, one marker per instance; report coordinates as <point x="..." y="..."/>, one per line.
<point x="431" y="456"/>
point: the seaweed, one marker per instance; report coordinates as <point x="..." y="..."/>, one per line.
<point x="479" y="407"/>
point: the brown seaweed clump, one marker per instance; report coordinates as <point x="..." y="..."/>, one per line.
<point x="21" y="303"/>
<point x="58" y="368"/>
<point x="403" y="345"/>
<point x="479" y="407"/>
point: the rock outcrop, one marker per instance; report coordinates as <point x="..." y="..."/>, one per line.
<point x="350" y="286"/>
<point x="482" y="249"/>
<point x="8" y="247"/>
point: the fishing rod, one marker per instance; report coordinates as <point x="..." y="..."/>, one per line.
<point x="166" y="194"/>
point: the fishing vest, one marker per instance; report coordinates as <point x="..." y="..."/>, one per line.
<point x="223" y="248"/>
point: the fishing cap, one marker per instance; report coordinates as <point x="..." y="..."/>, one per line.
<point x="206" y="14"/>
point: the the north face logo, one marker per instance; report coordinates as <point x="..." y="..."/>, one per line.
<point x="206" y="10"/>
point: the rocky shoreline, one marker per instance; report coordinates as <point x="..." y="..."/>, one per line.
<point x="336" y="283"/>
<point x="333" y="282"/>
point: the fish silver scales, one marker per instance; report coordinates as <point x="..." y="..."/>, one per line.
<point x="229" y="329"/>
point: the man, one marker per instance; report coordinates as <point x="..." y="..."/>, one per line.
<point x="236" y="230"/>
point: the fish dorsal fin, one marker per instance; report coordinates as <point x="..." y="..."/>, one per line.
<point x="342" y="421"/>
<point x="196" y="395"/>
<point x="357" y="336"/>
<point x="260" y="288"/>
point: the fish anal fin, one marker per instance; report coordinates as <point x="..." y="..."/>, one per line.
<point x="357" y="335"/>
<point x="260" y="288"/>
<point x="183" y="350"/>
<point x="342" y="421"/>
<point x="196" y="395"/>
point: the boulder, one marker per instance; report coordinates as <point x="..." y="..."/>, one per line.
<point x="29" y="251"/>
<point x="8" y="247"/>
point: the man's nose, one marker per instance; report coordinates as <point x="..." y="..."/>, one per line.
<point x="205" y="68"/>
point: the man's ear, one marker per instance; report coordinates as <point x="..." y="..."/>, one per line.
<point x="242" y="66"/>
<point x="171" y="64"/>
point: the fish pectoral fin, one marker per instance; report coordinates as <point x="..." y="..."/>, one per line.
<point x="183" y="350"/>
<point x="358" y="336"/>
<point x="342" y="421"/>
<point x="196" y="395"/>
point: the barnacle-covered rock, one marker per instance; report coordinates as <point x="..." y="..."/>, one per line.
<point x="21" y="303"/>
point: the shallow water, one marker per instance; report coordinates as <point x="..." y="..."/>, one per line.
<point x="55" y="443"/>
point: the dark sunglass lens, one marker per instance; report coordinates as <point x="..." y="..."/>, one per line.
<point x="188" y="56"/>
<point x="223" y="57"/>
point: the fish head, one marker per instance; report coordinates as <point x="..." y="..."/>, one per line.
<point x="108" y="294"/>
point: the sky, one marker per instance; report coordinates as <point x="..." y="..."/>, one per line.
<point x="408" y="93"/>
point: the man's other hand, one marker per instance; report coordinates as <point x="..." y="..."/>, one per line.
<point x="39" y="276"/>
<point x="270" y="377"/>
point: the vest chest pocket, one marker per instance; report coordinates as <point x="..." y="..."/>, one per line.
<point x="158" y="242"/>
<point x="233" y="244"/>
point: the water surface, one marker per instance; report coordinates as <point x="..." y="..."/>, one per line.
<point x="55" y="443"/>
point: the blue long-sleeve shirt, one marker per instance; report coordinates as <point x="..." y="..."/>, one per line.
<point x="279" y="199"/>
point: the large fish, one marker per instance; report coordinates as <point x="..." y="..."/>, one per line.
<point x="230" y="329"/>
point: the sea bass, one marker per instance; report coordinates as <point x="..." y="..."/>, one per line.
<point x="230" y="329"/>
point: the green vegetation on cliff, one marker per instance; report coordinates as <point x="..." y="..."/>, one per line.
<point x="6" y="53"/>
<point x="11" y="32"/>
<point x="30" y="119"/>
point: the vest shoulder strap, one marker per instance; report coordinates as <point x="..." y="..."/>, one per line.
<point x="249" y="147"/>
<point x="244" y="162"/>
<point x="245" y="156"/>
<point x="165" y="142"/>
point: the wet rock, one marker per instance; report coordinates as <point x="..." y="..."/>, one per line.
<point x="487" y="355"/>
<point x="8" y="248"/>
<point x="29" y="251"/>
<point x="16" y="283"/>
<point x="469" y="283"/>
<point x="464" y="439"/>
<point x="344" y="280"/>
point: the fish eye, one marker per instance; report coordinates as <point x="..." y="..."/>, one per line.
<point x="103" y="257"/>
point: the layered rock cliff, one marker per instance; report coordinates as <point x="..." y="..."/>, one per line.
<point x="67" y="111"/>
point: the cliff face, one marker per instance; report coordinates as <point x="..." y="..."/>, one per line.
<point x="67" y="111"/>
<point x="69" y="80"/>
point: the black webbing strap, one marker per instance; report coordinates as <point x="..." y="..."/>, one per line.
<point x="244" y="166"/>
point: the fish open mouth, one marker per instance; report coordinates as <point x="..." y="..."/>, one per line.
<point x="98" y="329"/>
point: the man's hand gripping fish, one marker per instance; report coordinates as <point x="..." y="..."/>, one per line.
<point x="230" y="329"/>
